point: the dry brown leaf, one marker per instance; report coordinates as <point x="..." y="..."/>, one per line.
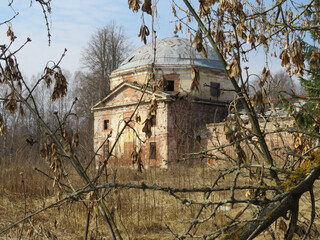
<point x="134" y="5"/>
<point x="136" y="158"/>
<point x="297" y="57"/>
<point x="290" y="15"/>
<point x="147" y="127"/>
<point x="249" y="193"/>
<point x="258" y="97"/>
<point x="12" y="104"/>
<point x="240" y="29"/>
<point x="265" y="75"/>
<point x="237" y="7"/>
<point x="146" y="7"/>
<point x="224" y="5"/>
<point x="10" y="34"/>
<point x="1" y="125"/>
<point x="11" y="62"/>
<point x="262" y="39"/>
<point x="144" y="32"/>
<point x="173" y="10"/>
<point x="314" y="58"/>
<point x="259" y="100"/>
<point x="138" y="117"/>
<point x="47" y="76"/>
<point x="220" y="36"/>
<point x="61" y="85"/>
<point x="229" y="130"/>
<point x="285" y="60"/>
<point x="205" y="5"/>
<point x="251" y="38"/>
<point x="75" y="139"/>
<point x="151" y="112"/>
<point x="241" y="154"/>
<point x="54" y="149"/>
<point x="233" y="68"/>
<point x="153" y="105"/>
<point x="59" y="195"/>
<point x="204" y="53"/>
<point x="198" y="44"/>
<point x="7" y="73"/>
<point x="301" y="143"/>
<point x="175" y="30"/>
<point x="197" y="39"/>
<point x="195" y="77"/>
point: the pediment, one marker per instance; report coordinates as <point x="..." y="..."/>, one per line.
<point x="128" y="93"/>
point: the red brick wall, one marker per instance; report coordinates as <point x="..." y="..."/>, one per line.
<point x="186" y="121"/>
<point x="215" y="135"/>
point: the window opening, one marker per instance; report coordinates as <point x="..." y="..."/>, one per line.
<point x="214" y="89"/>
<point x="153" y="150"/>
<point x="106" y="124"/>
<point x="169" y="86"/>
<point x="153" y="120"/>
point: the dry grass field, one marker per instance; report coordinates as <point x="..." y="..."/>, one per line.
<point x="139" y="214"/>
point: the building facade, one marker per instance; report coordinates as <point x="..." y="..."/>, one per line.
<point x="180" y="113"/>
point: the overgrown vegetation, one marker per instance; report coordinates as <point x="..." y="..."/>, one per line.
<point x="265" y="169"/>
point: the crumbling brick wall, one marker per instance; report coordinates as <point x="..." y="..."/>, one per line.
<point x="278" y="141"/>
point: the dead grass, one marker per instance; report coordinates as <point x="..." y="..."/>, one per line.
<point x="138" y="214"/>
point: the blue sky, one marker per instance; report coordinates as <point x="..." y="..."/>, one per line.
<point x="72" y="23"/>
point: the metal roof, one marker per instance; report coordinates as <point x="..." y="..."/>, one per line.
<point x="172" y="51"/>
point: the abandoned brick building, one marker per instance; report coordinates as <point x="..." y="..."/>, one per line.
<point x="181" y="113"/>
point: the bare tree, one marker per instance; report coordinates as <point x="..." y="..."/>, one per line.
<point x="106" y="49"/>
<point x="279" y="83"/>
<point x="261" y="182"/>
<point x="233" y="29"/>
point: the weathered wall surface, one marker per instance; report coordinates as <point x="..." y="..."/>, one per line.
<point x="214" y="135"/>
<point x="117" y="113"/>
<point x="183" y="81"/>
<point x="206" y="77"/>
<point x="182" y="114"/>
<point x="182" y="126"/>
<point x="178" y="129"/>
<point x="179" y="121"/>
<point x="136" y="75"/>
<point x="186" y="120"/>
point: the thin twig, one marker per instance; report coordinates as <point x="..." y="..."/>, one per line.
<point x="25" y="207"/>
<point x="87" y="225"/>
<point x="313" y="213"/>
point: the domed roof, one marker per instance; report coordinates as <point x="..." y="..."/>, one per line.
<point x="173" y="51"/>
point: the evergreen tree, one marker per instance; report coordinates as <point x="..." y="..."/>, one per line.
<point x="311" y="82"/>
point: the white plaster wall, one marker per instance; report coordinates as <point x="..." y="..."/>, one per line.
<point x="185" y="81"/>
